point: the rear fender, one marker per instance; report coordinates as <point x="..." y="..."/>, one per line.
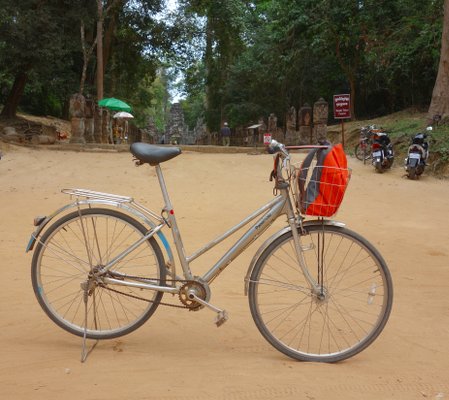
<point x="272" y="238"/>
<point x="92" y="202"/>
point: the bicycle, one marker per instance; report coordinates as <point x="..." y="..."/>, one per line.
<point x="362" y="149"/>
<point x="317" y="291"/>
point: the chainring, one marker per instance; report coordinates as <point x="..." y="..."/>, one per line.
<point x="199" y="289"/>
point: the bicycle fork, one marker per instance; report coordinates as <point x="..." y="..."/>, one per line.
<point x="300" y="249"/>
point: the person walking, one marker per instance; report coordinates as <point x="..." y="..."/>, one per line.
<point x="226" y="134"/>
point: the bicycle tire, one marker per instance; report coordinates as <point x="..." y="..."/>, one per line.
<point x="411" y="173"/>
<point x="359" y="153"/>
<point x="362" y="153"/>
<point x="350" y="314"/>
<point x="61" y="264"/>
<point x="378" y="167"/>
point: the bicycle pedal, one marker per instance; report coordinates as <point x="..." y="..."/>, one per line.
<point x="222" y="317"/>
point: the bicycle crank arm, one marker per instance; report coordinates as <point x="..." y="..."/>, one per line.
<point x="222" y="315"/>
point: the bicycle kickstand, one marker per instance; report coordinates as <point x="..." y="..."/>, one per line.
<point x="222" y="315"/>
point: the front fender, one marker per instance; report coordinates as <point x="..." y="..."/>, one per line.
<point x="272" y="238"/>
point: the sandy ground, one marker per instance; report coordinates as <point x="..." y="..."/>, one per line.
<point x="182" y="355"/>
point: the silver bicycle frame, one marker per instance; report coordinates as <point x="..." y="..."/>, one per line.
<point x="281" y="204"/>
<point x="268" y="213"/>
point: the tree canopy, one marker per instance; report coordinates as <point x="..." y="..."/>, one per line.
<point x="239" y="59"/>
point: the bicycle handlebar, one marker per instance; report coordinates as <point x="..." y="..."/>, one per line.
<point x="277" y="147"/>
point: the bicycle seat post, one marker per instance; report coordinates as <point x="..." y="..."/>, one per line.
<point x="168" y="208"/>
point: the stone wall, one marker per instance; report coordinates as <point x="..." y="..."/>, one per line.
<point x="308" y="125"/>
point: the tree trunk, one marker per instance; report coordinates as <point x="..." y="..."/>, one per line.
<point x="87" y="53"/>
<point x="100" y="73"/>
<point x="440" y="96"/>
<point x="350" y="71"/>
<point x="208" y="66"/>
<point x="352" y="86"/>
<point x="109" y="34"/>
<point x="13" y="100"/>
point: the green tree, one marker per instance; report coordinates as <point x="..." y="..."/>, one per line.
<point x="223" y="29"/>
<point x="37" y="38"/>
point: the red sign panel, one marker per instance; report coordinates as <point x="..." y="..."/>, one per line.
<point x="266" y="138"/>
<point x="342" y="106"/>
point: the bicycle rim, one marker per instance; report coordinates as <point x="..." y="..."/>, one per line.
<point x="68" y="252"/>
<point x="343" y="317"/>
<point x="359" y="152"/>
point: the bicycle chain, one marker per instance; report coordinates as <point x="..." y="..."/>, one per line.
<point x="147" y="300"/>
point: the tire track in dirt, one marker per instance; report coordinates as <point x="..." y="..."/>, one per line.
<point x="413" y="389"/>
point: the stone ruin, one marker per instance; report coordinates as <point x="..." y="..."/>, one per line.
<point x="89" y="123"/>
<point x="308" y="125"/>
<point x="198" y="132"/>
<point x="76" y="111"/>
<point x="150" y="134"/>
<point x="177" y="131"/>
<point x="320" y="116"/>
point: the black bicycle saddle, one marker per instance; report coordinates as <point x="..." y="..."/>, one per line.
<point x="153" y="155"/>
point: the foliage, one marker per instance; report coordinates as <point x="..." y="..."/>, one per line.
<point x="38" y="38"/>
<point x="385" y="52"/>
<point x="41" y="39"/>
<point x="240" y="59"/>
<point x="153" y="101"/>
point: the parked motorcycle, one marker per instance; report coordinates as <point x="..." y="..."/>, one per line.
<point x="418" y="152"/>
<point x="382" y="152"/>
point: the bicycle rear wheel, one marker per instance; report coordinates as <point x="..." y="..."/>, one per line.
<point x="362" y="152"/>
<point x="331" y="324"/>
<point x="359" y="152"/>
<point x="80" y="243"/>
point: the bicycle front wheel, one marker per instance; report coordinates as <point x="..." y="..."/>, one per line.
<point x="72" y="250"/>
<point x="339" y="316"/>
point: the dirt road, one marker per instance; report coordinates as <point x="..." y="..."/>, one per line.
<point x="182" y="355"/>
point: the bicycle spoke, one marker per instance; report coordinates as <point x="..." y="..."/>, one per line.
<point x="65" y="263"/>
<point x="337" y="319"/>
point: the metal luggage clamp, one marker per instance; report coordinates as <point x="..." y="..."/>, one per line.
<point x="107" y="199"/>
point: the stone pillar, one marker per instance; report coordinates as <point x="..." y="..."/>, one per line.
<point x="272" y="124"/>
<point x="320" y="116"/>
<point x="276" y="133"/>
<point x="98" y="123"/>
<point x="76" y="111"/>
<point x="291" y="137"/>
<point x="151" y="135"/>
<point x="199" y="131"/>
<point x="89" y="122"/>
<point x="176" y="130"/>
<point x="305" y="125"/>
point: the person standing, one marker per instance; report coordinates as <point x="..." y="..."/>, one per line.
<point x="226" y="134"/>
